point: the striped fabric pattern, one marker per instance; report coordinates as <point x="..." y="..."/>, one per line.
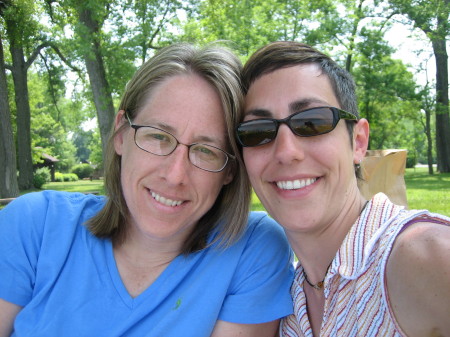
<point x="356" y="300"/>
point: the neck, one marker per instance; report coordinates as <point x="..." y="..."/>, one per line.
<point x="143" y="251"/>
<point x="140" y="265"/>
<point x="317" y="249"/>
<point x="143" y="257"/>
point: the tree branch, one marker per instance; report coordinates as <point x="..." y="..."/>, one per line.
<point x="158" y="29"/>
<point x="47" y="44"/>
<point x="52" y="91"/>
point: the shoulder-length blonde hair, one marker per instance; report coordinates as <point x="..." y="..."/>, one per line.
<point x="221" y="68"/>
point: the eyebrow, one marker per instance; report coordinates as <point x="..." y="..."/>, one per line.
<point x="200" y="139"/>
<point x="295" y="106"/>
<point x="259" y="113"/>
<point x="304" y="104"/>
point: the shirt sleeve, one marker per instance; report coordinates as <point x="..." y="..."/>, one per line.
<point x="260" y="290"/>
<point x="20" y="241"/>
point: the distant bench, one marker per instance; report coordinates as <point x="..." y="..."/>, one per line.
<point x="6" y="201"/>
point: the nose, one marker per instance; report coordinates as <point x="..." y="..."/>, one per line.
<point x="176" y="165"/>
<point x="288" y="147"/>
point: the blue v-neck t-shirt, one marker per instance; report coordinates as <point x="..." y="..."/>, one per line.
<point x="68" y="283"/>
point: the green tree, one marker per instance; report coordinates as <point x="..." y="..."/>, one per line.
<point x="428" y="110"/>
<point x="91" y="17"/>
<point x="312" y="22"/>
<point x="386" y="91"/>
<point x="86" y="20"/>
<point x="144" y="25"/>
<point x="20" y="28"/>
<point x="432" y="17"/>
<point x="247" y="24"/>
<point x="50" y="136"/>
<point x="8" y="170"/>
<point x="250" y="24"/>
<point x="95" y="157"/>
<point x="108" y="36"/>
<point x="26" y="38"/>
<point x="82" y="139"/>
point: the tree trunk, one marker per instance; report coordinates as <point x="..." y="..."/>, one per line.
<point x="429" y="141"/>
<point x="8" y="169"/>
<point x="97" y="76"/>
<point x="442" y="106"/>
<point x="351" y="49"/>
<point x="19" y="72"/>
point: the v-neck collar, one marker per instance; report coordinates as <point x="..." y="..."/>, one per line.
<point x="151" y="291"/>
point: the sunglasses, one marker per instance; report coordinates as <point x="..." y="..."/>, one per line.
<point x="306" y="123"/>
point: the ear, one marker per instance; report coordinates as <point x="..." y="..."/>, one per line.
<point x="231" y="171"/>
<point x="118" y="135"/>
<point x="360" y="140"/>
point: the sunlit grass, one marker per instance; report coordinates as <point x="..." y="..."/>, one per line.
<point x="84" y="186"/>
<point x="256" y="204"/>
<point x="426" y="191"/>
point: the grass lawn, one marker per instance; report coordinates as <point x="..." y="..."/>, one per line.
<point x="426" y="191"/>
<point x="85" y="186"/>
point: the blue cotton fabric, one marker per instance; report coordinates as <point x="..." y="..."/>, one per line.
<point x="68" y="284"/>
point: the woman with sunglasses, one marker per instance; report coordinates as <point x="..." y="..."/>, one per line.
<point x="171" y="251"/>
<point x="366" y="268"/>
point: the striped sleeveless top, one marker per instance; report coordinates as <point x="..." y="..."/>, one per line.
<point x="356" y="300"/>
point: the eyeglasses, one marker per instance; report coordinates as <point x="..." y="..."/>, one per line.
<point x="162" y="143"/>
<point x="306" y="123"/>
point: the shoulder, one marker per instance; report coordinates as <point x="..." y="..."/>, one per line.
<point x="422" y="246"/>
<point x="33" y="198"/>
<point x="422" y="242"/>
<point x="262" y="229"/>
<point x="418" y="276"/>
<point x="261" y="223"/>
<point x="266" y="241"/>
<point x="37" y="208"/>
<point x="24" y="210"/>
<point x="263" y="274"/>
<point x="48" y="197"/>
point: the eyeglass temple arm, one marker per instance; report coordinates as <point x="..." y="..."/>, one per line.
<point x="347" y="115"/>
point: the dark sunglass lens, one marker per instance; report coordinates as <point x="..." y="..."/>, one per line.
<point x="257" y="132"/>
<point x="312" y="122"/>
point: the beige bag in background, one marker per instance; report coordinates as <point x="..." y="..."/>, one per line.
<point x="383" y="171"/>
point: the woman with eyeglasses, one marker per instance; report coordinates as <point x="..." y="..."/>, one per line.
<point x="171" y="250"/>
<point x="366" y="268"/>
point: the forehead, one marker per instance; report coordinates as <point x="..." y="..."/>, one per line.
<point x="302" y="86"/>
<point x="184" y="104"/>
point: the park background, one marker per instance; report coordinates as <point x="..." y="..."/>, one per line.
<point x="64" y="65"/>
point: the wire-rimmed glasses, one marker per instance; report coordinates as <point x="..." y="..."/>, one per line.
<point x="162" y="143"/>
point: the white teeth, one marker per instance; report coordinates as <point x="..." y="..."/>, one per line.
<point x="164" y="201"/>
<point x="295" y="184"/>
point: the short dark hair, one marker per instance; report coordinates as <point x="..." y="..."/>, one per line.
<point x="283" y="54"/>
